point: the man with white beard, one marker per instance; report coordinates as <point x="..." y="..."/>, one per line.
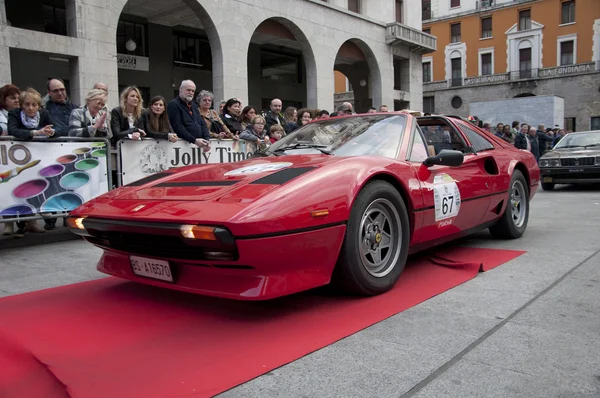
<point x="185" y="117"/>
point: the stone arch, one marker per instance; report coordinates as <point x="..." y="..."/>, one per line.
<point x="358" y="63"/>
<point x="201" y="11"/>
<point x="524" y="44"/>
<point x="291" y="36"/>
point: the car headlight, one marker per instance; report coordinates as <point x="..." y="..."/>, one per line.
<point x="549" y="162"/>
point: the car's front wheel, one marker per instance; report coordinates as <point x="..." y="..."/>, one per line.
<point x="513" y="222"/>
<point x="376" y="244"/>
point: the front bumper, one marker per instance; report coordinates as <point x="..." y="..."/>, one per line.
<point x="570" y="175"/>
<point x="265" y="268"/>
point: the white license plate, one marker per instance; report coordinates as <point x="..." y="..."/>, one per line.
<point x="151" y="268"/>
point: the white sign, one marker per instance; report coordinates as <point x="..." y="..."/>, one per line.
<point x="50" y="177"/>
<point x="258" y="168"/>
<point x="142" y="158"/>
<point x="133" y="62"/>
<point x="446" y="198"/>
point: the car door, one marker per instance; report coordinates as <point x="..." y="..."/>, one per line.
<point x="454" y="198"/>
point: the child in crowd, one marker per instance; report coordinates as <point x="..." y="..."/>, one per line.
<point x="275" y="133"/>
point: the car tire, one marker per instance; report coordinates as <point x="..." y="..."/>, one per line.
<point x="547" y="186"/>
<point x="513" y="223"/>
<point x="375" y="247"/>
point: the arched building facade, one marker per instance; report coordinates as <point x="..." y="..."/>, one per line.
<point x="254" y="50"/>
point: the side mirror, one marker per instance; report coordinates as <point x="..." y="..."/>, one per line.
<point x="446" y="157"/>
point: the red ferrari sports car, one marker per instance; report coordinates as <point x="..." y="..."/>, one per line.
<point x="341" y="200"/>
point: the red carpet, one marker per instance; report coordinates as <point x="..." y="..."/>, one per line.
<point x="112" y="338"/>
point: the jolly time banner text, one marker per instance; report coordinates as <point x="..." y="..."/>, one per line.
<point x="47" y="177"/>
<point x="143" y="158"/>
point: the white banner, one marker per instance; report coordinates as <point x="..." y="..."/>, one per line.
<point x="45" y="177"/>
<point x="143" y="158"/>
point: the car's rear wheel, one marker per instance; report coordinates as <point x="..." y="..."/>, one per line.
<point x="547" y="186"/>
<point x="514" y="220"/>
<point x="376" y="244"/>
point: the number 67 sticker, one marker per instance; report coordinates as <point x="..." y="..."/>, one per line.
<point x="447" y="200"/>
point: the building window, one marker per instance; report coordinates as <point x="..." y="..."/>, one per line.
<point x="191" y="52"/>
<point x="281" y="67"/>
<point x="456" y="72"/>
<point x="524" y="19"/>
<point x="454" y="3"/>
<point x="55" y="20"/>
<point x="426" y="10"/>
<point x="429" y="105"/>
<point x="427" y="30"/>
<point x="570" y="124"/>
<point x="354" y="6"/>
<point x="566" y="53"/>
<point x="486" y="27"/>
<point x="131" y="31"/>
<point x="525" y="63"/>
<point x="486" y="64"/>
<point x="455" y="33"/>
<point x="595" y="123"/>
<point x="399" y="5"/>
<point x="567" y="14"/>
<point x="426" y="72"/>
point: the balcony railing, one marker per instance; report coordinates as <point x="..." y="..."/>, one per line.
<point x="419" y="42"/>
<point x="515" y="76"/>
<point x="524" y="74"/>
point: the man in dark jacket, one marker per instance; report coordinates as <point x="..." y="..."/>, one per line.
<point x="59" y="107"/>
<point x="274" y="115"/>
<point x="535" y="146"/>
<point x="521" y="140"/>
<point x="544" y="139"/>
<point x="185" y="117"/>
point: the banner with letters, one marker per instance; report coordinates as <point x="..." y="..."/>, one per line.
<point x="50" y="177"/>
<point x="146" y="157"/>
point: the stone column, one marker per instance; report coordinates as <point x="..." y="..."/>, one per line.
<point x="5" y="75"/>
<point x="95" y="22"/>
<point x="230" y="65"/>
<point x="325" y="82"/>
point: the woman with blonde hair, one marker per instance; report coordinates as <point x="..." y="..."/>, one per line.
<point x="126" y="119"/>
<point x="91" y="120"/>
<point x="291" y="119"/>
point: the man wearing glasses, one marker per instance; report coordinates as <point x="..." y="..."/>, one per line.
<point x="59" y="107"/>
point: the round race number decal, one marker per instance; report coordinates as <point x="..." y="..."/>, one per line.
<point x="259" y="168"/>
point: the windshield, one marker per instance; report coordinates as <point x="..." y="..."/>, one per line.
<point x="579" y="140"/>
<point x="378" y="135"/>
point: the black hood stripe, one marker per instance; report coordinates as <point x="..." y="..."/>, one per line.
<point x="283" y="176"/>
<point x="197" y="183"/>
<point x="148" y="179"/>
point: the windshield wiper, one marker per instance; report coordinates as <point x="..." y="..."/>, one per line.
<point x="303" y="145"/>
<point x="591" y="145"/>
<point x="569" y="146"/>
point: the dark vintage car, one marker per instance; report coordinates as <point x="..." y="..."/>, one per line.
<point x="575" y="159"/>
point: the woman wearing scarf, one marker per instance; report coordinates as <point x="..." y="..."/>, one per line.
<point x="216" y="127"/>
<point x="90" y="120"/>
<point x="30" y="119"/>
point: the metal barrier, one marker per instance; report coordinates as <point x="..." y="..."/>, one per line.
<point x="44" y="178"/>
